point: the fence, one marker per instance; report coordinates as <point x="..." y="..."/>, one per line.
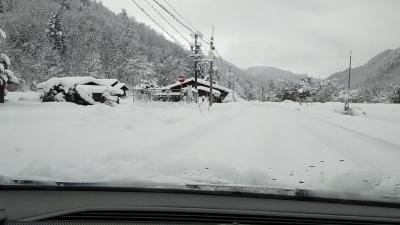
<point x="162" y="95"/>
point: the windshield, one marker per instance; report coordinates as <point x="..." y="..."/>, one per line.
<point x="215" y="95"/>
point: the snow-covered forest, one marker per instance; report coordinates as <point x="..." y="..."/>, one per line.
<point x="315" y="90"/>
<point x="53" y="38"/>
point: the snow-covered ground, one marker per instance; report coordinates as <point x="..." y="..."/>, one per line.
<point x="248" y="144"/>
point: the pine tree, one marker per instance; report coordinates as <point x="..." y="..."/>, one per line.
<point x="6" y="75"/>
<point x="56" y="34"/>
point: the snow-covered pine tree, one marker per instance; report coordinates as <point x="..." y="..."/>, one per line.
<point x="6" y="75"/>
<point x="55" y="33"/>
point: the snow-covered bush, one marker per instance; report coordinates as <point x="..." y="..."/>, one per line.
<point x="394" y="94"/>
<point x="148" y="84"/>
<point x="353" y="111"/>
<point x="229" y="98"/>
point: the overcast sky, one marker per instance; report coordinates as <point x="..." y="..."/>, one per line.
<point x="303" y="36"/>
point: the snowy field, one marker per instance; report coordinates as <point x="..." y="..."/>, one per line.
<point x="247" y="144"/>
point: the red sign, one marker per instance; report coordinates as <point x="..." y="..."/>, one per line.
<point x="181" y="78"/>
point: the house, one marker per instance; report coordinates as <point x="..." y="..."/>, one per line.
<point x="203" y="89"/>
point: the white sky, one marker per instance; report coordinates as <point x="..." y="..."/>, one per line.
<point x="303" y="36"/>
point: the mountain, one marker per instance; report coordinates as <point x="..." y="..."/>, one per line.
<point x="265" y="73"/>
<point x="380" y="71"/>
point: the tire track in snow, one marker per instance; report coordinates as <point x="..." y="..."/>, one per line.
<point x="362" y="146"/>
<point x="355" y="132"/>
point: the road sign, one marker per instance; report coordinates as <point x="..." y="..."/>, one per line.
<point x="181" y="78"/>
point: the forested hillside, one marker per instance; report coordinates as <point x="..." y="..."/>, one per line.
<point x="58" y="38"/>
<point x="380" y="72"/>
<point x="266" y="73"/>
<point x="48" y="38"/>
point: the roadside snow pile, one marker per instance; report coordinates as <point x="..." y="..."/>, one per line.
<point x="80" y="90"/>
<point x="353" y="111"/>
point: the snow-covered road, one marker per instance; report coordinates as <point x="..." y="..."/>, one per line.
<point x="248" y="143"/>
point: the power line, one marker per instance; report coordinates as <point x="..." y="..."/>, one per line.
<point x="358" y="62"/>
<point x="187" y="27"/>
<point x="154" y="21"/>
<point x="173" y="16"/>
<point x="179" y="14"/>
<point x="165" y="19"/>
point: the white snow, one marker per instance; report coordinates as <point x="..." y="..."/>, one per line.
<point x="87" y="91"/>
<point x="3" y="34"/>
<point x="5" y="59"/>
<point x="207" y="89"/>
<point x="242" y="144"/>
<point x="67" y="82"/>
<point x="108" y="82"/>
<point x="120" y="85"/>
<point x="91" y="89"/>
<point x="11" y="77"/>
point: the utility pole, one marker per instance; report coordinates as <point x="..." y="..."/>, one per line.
<point x="211" y="57"/>
<point x="230" y="75"/>
<point x="196" y="54"/>
<point x="347" y="104"/>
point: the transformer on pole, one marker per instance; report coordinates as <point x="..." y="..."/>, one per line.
<point x="211" y="58"/>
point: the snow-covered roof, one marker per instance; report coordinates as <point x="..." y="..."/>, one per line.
<point x="215" y="92"/>
<point x="92" y="89"/>
<point x="67" y="82"/>
<point x="108" y="82"/>
<point x="200" y="81"/>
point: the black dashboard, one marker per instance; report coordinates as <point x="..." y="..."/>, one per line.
<point x="51" y="205"/>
